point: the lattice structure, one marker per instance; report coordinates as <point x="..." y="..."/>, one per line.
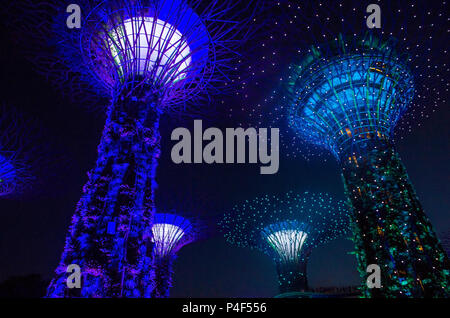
<point x="286" y="239"/>
<point x="163" y="45"/>
<point x="287" y="228"/>
<point x="348" y="98"/>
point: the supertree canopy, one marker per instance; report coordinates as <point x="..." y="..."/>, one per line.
<point x="161" y="47"/>
<point x="348" y="96"/>
<point x="150" y="57"/>
<point x="170" y="233"/>
<point x="287" y="228"/>
<point x="348" y="93"/>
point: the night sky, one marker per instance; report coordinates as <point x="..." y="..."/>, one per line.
<point x="33" y="229"/>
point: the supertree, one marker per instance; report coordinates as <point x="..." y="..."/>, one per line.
<point x="351" y="96"/>
<point x="183" y="216"/>
<point x="287" y="228"/>
<point x="149" y="57"/>
<point x="170" y="233"/>
<point x="347" y="96"/>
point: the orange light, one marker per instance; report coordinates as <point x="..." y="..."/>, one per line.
<point x="349" y="133"/>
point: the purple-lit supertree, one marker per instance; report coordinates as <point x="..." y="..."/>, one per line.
<point x="148" y="57"/>
<point x="170" y="233"/>
<point x="287" y="228"/>
<point x="19" y="157"/>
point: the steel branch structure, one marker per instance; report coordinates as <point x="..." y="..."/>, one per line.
<point x="347" y="95"/>
<point x="287" y="228"/>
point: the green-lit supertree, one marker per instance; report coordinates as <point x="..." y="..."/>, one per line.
<point x="347" y="96"/>
<point x="287" y="228"/>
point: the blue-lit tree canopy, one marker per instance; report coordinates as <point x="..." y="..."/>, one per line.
<point x="163" y="46"/>
<point x="346" y="93"/>
<point x="412" y="38"/>
<point x="287" y="228"/>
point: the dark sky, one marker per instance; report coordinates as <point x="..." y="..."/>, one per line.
<point x="32" y="230"/>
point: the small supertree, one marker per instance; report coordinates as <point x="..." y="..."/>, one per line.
<point x="19" y="155"/>
<point x="148" y="57"/>
<point x="170" y="233"/>
<point x="183" y="217"/>
<point x="287" y="228"/>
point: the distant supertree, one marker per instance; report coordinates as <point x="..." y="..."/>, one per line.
<point x="20" y="156"/>
<point x="287" y="228"/>
<point x="149" y="57"/>
<point x="170" y="233"/>
<point x="347" y="96"/>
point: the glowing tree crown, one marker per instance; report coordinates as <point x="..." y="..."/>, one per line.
<point x="172" y="54"/>
<point x="346" y="93"/>
<point x="164" y="50"/>
<point x="163" y="45"/>
<point x="170" y="233"/>
<point x="286" y="227"/>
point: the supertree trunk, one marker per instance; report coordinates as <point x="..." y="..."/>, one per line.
<point x="292" y="277"/>
<point x="109" y="234"/>
<point x="163" y="277"/>
<point x="390" y="228"/>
